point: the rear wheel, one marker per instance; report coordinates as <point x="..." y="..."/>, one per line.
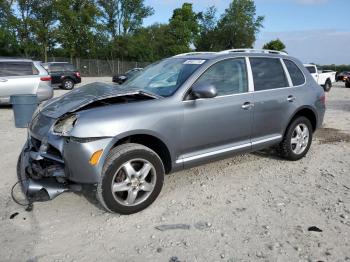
<point x="68" y="84"/>
<point x="297" y="140"/>
<point x="327" y="87"/>
<point x="131" y="180"/>
<point x="347" y="84"/>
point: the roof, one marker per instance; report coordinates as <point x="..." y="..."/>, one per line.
<point x="210" y="55"/>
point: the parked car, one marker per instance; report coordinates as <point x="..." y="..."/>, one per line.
<point x="120" y="79"/>
<point x="343" y="76"/>
<point x="323" y="78"/>
<point x="347" y="82"/>
<point x="22" y="76"/>
<point x="177" y="113"/>
<point x="63" y="74"/>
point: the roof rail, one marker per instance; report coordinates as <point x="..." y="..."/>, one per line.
<point x="195" y="53"/>
<point x="247" y="50"/>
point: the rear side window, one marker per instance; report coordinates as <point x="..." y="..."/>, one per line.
<point x="268" y="73"/>
<point x="56" y="67"/>
<point x="295" y="73"/>
<point x="17" y="69"/>
<point x="69" y="67"/>
<point x="228" y="76"/>
<point x="311" y="69"/>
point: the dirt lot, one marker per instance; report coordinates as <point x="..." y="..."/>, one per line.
<point x="254" y="207"/>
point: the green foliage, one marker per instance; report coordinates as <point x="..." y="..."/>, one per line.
<point x="277" y="45"/>
<point x="183" y="29"/>
<point x="112" y="29"/>
<point x="78" y="19"/>
<point x="123" y="16"/>
<point x="338" y="68"/>
<point x="207" y="22"/>
<point x="239" y="25"/>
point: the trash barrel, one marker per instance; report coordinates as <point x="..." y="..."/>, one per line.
<point x="23" y="107"/>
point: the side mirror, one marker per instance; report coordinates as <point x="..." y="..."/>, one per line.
<point x="204" y="91"/>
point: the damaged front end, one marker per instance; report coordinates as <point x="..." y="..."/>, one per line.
<point x="57" y="158"/>
<point x="42" y="172"/>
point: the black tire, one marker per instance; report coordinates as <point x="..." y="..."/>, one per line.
<point x="347" y="84"/>
<point x="327" y="86"/>
<point x="68" y="84"/>
<point x="116" y="159"/>
<point x="285" y="148"/>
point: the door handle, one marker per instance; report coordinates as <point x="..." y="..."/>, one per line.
<point x="3" y="80"/>
<point x="291" y="98"/>
<point x="247" y="105"/>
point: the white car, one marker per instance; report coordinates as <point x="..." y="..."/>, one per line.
<point x="22" y="76"/>
<point x="324" y="78"/>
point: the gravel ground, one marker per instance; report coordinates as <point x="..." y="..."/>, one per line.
<point x="253" y="207"/>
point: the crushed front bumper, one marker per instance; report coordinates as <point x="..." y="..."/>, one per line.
<point x="53" y="165"/>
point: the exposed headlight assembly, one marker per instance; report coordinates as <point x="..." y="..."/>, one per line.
<point x="65" y="125"/>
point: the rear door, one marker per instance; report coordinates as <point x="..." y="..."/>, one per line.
<point x="56" y="71"/>
<point x="17" y="77"/>
<point x="275" y="100"/>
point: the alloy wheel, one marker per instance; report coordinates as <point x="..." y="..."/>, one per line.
<point x="300" y="139"/>
<point x="133" y="182"/>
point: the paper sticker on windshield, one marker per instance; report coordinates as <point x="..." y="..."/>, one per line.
<point x="194" y="62"/>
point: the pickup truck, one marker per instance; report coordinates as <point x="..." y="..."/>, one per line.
<point x="323" y="78"/>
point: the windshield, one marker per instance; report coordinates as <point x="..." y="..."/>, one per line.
<point x="165" y="77"/>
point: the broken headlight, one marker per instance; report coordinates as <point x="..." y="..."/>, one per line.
<point x="65" y="125"/>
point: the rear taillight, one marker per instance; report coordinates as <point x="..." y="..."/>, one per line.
<point x="323" y="99"/>
<point x="77" y="74"/>
<point x="45" y="78"/>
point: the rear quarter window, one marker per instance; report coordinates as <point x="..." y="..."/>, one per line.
<point x="295" y="73"/>
<point x="311" y="69"/>
<point x="17" y="69"/>
<point x="69" y="67"/>
<point x="268" y="73"/>
<point x="56" y="67"/>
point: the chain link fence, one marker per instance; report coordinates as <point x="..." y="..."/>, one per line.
<point x="97" y="67"/>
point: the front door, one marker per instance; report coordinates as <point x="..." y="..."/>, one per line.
<point x="221" y="125"/>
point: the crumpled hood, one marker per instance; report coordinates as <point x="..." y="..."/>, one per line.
<point x="85" y="95"/>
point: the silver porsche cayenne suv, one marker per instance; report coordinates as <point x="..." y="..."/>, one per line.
<point x="177" y="113"/>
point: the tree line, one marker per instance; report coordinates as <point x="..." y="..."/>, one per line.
<point x="110" y="29"/>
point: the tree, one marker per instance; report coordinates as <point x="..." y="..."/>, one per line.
<point x="23" y="23"/>
<point x="238" y="26"/>
<point x="123" y="16"/>
<point x="277" y="45"/>
<point x="77" y="24"/>
<point x="43" y="25"/>
<point x="9" y="45"/>
<point x="184" y="29"/>
<point x="207" y="24"/>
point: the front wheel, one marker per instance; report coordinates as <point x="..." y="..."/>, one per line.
<point x="131" y="180"/>
<point x="297" y="139"/>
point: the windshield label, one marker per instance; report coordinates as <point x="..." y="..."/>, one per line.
<point x="194" y="62"/>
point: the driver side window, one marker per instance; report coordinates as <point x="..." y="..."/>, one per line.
<point x="228" y="76"/>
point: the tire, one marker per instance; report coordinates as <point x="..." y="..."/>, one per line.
<point x="347" y="84"/>
<point x="68" y="84"/>
<point x="288" y="147"/>
<point x="327" y="86"/>
<point x="134" y="190"/>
